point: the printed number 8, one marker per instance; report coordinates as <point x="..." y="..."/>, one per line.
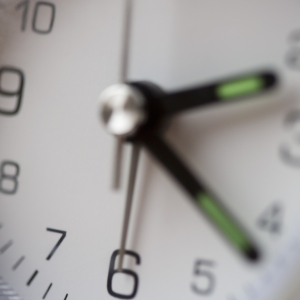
<point x="9" y="177"/>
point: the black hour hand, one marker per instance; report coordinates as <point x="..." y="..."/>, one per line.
<point x="231" y="89"/>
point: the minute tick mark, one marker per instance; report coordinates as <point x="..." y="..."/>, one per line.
<point x="18" y="263"/>
<point x="32" y="277"/>
<point x="6" y="246"/>
<point x="47" y="291"/>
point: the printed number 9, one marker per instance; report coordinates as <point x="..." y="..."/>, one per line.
<point x="17" y="94"/>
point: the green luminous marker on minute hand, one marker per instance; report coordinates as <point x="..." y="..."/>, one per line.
<point x="232" y="89"/>
<point x="203" y="199"/>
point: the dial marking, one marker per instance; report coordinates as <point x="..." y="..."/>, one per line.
<point x="47" y="291"/>
<point x="6" y="246"/>
<point x="63" y="233"/>
<point x="18" y="263"/>
<point x="272" y="219"/>
<point x="32" y="277"/>
<point x="24" y="4"/>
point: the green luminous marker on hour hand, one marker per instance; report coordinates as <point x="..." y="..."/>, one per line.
<point x="240" y="87"/>
<point x="226" y="225"/>
<point x="213" y="210"/>
<point x="233" y="89"/>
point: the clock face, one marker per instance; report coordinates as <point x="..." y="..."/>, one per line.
<point x="60" y="220"/>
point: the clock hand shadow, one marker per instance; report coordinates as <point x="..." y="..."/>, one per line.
<point x="192" y="127"/>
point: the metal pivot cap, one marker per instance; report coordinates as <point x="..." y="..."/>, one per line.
<point x="121" y="109"/>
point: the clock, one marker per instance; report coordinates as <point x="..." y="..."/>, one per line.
<point x="150" y="149"/>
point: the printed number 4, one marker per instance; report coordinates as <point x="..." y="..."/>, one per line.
<point x="290" y="150"/>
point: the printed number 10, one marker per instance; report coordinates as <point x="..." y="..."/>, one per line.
<point x="43" y="16"/>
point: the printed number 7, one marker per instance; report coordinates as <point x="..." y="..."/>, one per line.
<point x="63" y="235"/>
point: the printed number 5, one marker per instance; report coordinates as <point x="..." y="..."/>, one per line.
<point x="206" y="281"/>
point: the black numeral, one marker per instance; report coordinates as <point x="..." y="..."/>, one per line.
<point x="290" y="150"/>
<point x="9" y="178"/>
<point x="49" y="15"/>
<point x="63" y="236"/>
<point x="5" y="107"/>
<point x="293" y="55"/>
<point x="271" y="219"/>
<point x="112" y="271"/>
<point x="205" y="279"/>
<point x="25" y="6"/>
<point x="51" y="9"/>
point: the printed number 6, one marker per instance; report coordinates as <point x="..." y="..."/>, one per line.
<point x="112" y="272"/>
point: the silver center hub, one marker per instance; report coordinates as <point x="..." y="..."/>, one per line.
<point x="121" y="109"/>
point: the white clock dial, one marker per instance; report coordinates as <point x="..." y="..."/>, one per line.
<point x="61" y="221"/>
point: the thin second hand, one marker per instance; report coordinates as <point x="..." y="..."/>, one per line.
<point x="129" y="196"/>
<point x="117" y="163"/>
<point x="126" y="41"/>
<point x="123" y="77"/>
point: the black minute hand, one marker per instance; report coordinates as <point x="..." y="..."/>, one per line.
<point x="234" y="88"/>
<point x="203" y="199"/>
